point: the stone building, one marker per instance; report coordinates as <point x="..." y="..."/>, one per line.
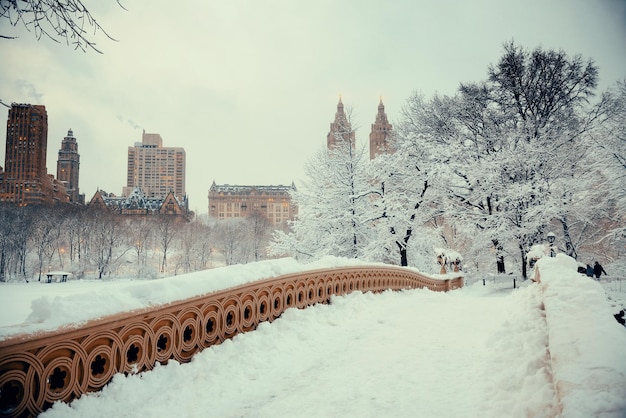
<point x="233" y="202"/>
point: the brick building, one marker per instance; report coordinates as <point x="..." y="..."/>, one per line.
<point x="379" y="135"/>
<point x="340" y="129"/>
<point x="25" y="180"/>
<point x="68" y="165"/>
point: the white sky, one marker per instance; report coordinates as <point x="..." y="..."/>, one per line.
<point x="499" y="351"/>
<point x="249" y="88"/>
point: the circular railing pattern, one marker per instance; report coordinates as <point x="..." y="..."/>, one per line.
<point x="40" y="369"/>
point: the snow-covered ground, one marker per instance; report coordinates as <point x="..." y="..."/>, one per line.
<point x="541" y="350"/>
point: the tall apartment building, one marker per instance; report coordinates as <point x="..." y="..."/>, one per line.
<point x="25" y="180"/>
<point x="233" y="202"/>
<point x="155" y="169"/>
<point x="340" y="129"/>
<point x="68" y="164"/>
<point x="381" y="129"/>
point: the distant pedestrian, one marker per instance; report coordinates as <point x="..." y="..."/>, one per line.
<point x="589" y="271"/>
<point x="598" y="270"/>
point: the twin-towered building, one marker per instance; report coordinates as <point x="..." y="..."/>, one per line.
<point x="341" y="130"/>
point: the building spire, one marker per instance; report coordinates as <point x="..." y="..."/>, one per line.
<point x="381" y="129"/>
<point x="340" y="128"/>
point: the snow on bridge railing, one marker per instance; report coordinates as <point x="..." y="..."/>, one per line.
<point x="39" y="369"/>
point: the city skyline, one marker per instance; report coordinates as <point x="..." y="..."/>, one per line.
<point x="249" y="90"/>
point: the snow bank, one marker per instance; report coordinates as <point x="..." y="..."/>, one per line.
<point x="588" y="362"/>
<point x="75" y="308"/>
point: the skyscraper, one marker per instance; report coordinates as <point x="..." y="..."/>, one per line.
<point x="68" y="166"/>
<point x="340" y="129"/>
<point x="25" y="179"/>
<point x="381" y="129"/>
<point x="155" y="169"/>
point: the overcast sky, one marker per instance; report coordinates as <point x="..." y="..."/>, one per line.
<point x="249" y="88"/>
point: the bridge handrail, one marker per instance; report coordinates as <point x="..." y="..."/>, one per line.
<point x="40" y="368"/>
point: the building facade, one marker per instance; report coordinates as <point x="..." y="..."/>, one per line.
<point x="25" y="180"/>
<point x="234" y="202"/>
<point x="155" y="169"/>
<point x="137" y="203"/>
<point x="381" y="130"/>
<point x="68" y="165"/>
<point x="340" y="129"/>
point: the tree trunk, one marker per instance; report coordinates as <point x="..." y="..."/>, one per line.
<point x="569" y="245"/>
<point x="404" y="261"/>
<point x="523" y="254"/>
<point x="2" y="264"/>
<point x="499" y="257"/>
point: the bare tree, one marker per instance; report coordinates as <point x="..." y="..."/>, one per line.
<point x="231" y="238"/>
<point x="106" y="240"/>
<point x="259" y="230"/>
<point x="55" y="19"/>
<point x="167" y="227"/>
<point x="139" y="235"/>
<point x="7" y="227"/>
<point x="45" y="236"/>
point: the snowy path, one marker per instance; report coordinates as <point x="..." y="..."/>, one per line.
<point x="412" y="353"/>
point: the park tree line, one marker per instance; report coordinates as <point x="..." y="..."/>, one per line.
<point x="488" y="171"/>
<point x="96" y="243"/>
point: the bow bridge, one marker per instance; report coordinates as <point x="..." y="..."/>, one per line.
<point x="37" y="370"/>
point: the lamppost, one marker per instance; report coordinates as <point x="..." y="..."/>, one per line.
<point x="551" y="238"/>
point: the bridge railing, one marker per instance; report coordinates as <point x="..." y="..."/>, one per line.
<point x="37" y="370"/>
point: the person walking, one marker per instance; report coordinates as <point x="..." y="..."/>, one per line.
<point x="589" y="271"/>
<point x="598" y="270"/>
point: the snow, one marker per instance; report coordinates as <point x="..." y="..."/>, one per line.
<point x="39" y="306"/>
<point x="542" y="350"/>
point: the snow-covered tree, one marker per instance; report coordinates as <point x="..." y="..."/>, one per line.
<point x="405" y="199"/>
<point x="607" y="149"/>
<point x="334" y="215"/>
<point x="511" y="144"/>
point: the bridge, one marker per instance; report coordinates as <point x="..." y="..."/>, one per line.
<point x="39" y="369"/>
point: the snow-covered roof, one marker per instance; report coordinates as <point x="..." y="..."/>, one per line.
<point x="136" y="200"/>
<point x="247" y="190"/>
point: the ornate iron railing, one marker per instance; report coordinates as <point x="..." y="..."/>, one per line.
<point x="38" y="369"/>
